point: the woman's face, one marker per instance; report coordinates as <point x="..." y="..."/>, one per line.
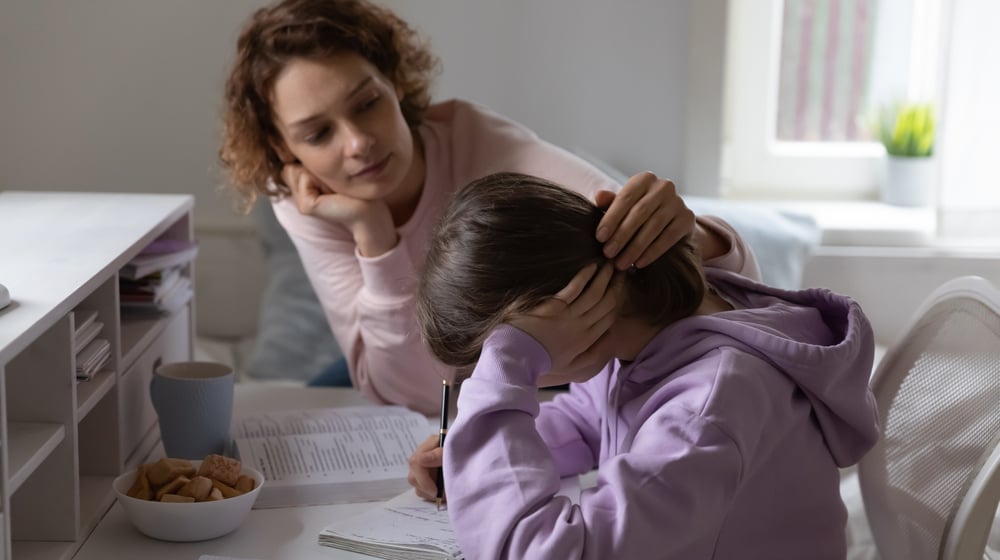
<point x="340" y="118"/>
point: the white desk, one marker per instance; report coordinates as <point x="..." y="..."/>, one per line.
<point x="267" y="534"/>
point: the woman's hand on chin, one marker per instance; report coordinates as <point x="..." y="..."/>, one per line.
<point x="369" y="221"/>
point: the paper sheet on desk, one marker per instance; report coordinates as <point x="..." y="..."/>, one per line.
<point x="408" y="528"/>
<point x="404" y="528"/>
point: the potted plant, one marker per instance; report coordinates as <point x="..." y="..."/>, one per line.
<point x="906" y="130"/>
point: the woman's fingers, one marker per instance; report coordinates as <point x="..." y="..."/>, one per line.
<point x="643" y="221"/>
<point x="306" y="189"/>
<point x="608" y="229"/>
<point x="304" y="193"/>
<point x="668" y="237"/>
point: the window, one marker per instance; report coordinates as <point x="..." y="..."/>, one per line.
<point x="803" y="77"/>
<point x="823" y="70"/>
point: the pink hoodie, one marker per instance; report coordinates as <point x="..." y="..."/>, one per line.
<point x="721" y="440"/>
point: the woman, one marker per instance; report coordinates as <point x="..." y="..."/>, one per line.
<point x="717" y="417"/>
<point x="328" y="113"/>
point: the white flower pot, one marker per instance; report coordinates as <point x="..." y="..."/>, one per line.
<point x="908" y="181"/>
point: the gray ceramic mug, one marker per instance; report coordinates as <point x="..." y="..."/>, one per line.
<point x="194" y="404"/>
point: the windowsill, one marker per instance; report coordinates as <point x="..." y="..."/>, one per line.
<point x="878" y="225"/>
<point x="868" y="223"/>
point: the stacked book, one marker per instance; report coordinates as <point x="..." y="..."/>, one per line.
<point x="91" y="352"/>
<point x="154" y="283"/>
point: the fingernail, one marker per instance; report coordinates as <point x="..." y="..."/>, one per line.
<point x="602" y="233"/>
<point x="611" y="249"/>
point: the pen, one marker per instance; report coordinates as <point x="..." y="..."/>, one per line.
<point x="441" y="433"/>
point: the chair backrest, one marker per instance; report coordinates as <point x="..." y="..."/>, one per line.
<point x="931" y="484"/>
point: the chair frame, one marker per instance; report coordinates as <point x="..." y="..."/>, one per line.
<point x="966" y="532"/>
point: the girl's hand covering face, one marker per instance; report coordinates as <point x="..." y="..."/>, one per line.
<point x="646" y="218"/>
<point x="573" y="324"/>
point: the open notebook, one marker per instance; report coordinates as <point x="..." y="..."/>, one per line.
<point x="410" y="528"/>
<point x="404" y="528"/>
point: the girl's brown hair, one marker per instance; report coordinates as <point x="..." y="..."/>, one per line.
<point x="509" y="241"/>
<point x="314" y="30"/>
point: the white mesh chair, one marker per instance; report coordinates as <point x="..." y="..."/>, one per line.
<point x="932" y="483"/>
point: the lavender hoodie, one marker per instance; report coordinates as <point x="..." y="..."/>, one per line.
<point x="721" y="440"/>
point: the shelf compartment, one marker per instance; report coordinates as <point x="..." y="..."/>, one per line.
<point x="172" y="345"/>
<point x="89" y="393"/>
<point x="136" y="335"/>
<point x="30" y="444"/>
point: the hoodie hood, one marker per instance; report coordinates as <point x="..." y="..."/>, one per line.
<point x="821" y="340"/>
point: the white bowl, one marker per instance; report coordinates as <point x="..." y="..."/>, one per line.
<point x="183" y="522"/>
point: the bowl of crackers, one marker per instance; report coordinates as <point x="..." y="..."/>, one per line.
<point x="182" y="500"/>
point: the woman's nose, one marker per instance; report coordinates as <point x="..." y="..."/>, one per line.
<point x="359" y="142"/>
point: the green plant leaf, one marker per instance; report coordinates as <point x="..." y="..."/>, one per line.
<point x="907" y="129"/>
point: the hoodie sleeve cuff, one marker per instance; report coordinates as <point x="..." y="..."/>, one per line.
<point x="513" y="357"/>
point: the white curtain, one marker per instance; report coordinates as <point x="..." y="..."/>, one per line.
<point x="969" y="137"/>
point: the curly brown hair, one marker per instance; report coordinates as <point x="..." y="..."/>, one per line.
<point x="313" y="30"/>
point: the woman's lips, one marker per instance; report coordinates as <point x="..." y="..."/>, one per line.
<point x="373" y="170"/>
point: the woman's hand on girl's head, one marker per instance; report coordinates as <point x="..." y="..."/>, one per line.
<point x="573" y="324"/>
<point x="645" y="219"/>
<point x="424" y="463"/>
<point x="369" y="220"/>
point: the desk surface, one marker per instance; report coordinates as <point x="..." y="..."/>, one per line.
<point x="267" y="534"/>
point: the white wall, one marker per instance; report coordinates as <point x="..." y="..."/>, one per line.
<point x="125" y="95"/>
<point x="117" y="95"/>
<point x="891" y="283"/>
<point x="605" y="76"/>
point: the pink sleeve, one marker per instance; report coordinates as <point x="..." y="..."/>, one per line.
<point x="670" y="493"/>
<point x="370" y="306"/>
<point x="739" y="258"/>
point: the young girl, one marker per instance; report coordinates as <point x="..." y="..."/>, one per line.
<point x="328" y="113"/>
<point x="717" y="418"/>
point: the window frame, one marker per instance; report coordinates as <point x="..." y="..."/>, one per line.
<point x="757" y="165"/>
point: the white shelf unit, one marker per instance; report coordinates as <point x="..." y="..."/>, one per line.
<point x="62" y="442"/>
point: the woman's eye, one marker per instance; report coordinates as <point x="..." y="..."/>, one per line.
<point x="318" y="136"/>
<point x="371" y="102"/>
